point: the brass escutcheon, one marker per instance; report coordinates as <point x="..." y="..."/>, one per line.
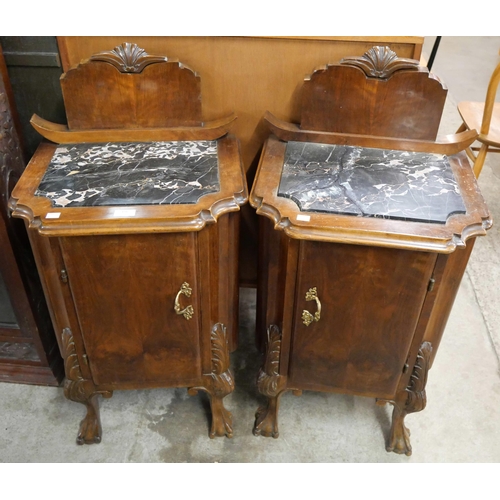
<point x="188" y="311"/>
<point x="307" y="317"/>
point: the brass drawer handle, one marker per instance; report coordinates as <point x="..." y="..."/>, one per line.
<point x="307" y="317"/>
<point x="188" y="311"/>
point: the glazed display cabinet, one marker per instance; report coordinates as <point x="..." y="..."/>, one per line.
<point x="28" y="347"/>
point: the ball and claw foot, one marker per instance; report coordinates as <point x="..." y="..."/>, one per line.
<point x="400" y="440"/>
<point x="266" y="422"/>
<point x="90" y="432"/>
<point x="413" y="399"/>
<point x="222" y="423"/>
<point x="222" y="419"/>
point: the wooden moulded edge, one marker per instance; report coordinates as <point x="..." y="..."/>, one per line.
<point x="411" y="235"/>
<point x="78" y="221"/>
<point x="61" y="134"/>
<point x="446" y="145"/>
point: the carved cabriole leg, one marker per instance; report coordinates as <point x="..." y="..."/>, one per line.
<point x="80" y="390"/>
<point x="411" y="400"/>
<point x="271" y="384"/>
<point x="219" y="383"/>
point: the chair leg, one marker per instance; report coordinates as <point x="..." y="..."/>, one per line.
<point x="470" y="153"/>
<point x="481" y="156"/>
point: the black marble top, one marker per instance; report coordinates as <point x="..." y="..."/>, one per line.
<point x="131" y="173"/>
<point x="370" y="182"/>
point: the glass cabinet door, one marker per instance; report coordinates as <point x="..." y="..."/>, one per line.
<point x="7" y="316"/>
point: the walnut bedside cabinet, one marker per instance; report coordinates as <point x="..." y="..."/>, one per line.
<point x="368" y="223"/>
<point x="133" y="218"/>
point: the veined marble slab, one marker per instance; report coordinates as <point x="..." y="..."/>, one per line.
<point x="131" y="173"/>
<point x="370" y="182"/>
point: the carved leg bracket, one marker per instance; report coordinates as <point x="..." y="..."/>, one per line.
<point x="218" y="384"/>
<point x="83" y="391"/>
<point x="411" y="400"/>
<point x="271" y="384"/>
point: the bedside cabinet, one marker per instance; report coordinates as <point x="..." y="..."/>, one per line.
<point x="141" y="295"/>
<point x="368" y="223"/>
<point x="135" y="234"/>
<point x="361" y="254"/>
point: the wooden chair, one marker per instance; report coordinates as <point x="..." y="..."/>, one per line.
<point x="484" y="117"/>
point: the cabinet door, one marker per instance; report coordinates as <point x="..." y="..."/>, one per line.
<point x="124" y="288"/>
<point x="371" y="300"/>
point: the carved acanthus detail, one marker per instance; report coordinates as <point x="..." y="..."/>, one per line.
<point x="271" y="384"/>
<point x="417" y="398"/>
<point x="411" y="400"/>
<point x="75" y="387"/>
<point x="71" y="365"/>
<point x="219" y="383"/>
<point x="269" y="381"/>
<point x="11" y="156"/>
<point x="223" y="381"/>
<point x="128" y="58"/>
<point x="81" y="390"/>
<point x="380" y="62"/>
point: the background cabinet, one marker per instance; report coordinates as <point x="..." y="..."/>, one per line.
<point x="28" y="348"/>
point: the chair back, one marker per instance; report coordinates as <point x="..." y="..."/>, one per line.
<point x="490" y="101"/>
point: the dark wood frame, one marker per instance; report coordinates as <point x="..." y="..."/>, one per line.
<point x="18" y="269"/>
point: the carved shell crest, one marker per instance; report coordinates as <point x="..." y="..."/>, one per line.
<point x="128" y="58"/>
<point x="380" y="62"/>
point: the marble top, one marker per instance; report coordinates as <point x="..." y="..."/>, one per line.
<point x="370" y="182"/>
<point x="131" y="173"/>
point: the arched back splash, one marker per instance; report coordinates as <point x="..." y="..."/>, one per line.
<point x="129" y="88"/>
<point x="376" y="94"/>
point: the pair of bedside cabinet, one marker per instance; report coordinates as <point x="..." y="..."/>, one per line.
<point x="133" y="219"/>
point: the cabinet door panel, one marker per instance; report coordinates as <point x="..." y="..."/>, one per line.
<point x="371" y="300"/>
<point x="124" y="288"/>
